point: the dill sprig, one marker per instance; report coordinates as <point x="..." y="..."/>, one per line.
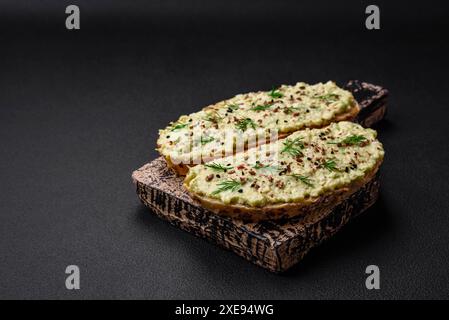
<point x="354" y="139"/>
<point x="261" y="107"/>
<point x="233" y="106"/>
<point x="329" y="97"/>
<point x="289" y="110"/>
<point x="244" y="123"/>
<point x="213" y="117"/>
<point x="351" y="140"/>
<point x="303" y="179"/>
<point x="206" y="140"/>
<point x="260" y="166"/>
<point x="217" y="167"/>
<point x="178" y="126"/>
<point x="293" y="147"/>
<point x="330" y="165"/>
<point x="274" y="93"/>
<point x="232" y="185"/>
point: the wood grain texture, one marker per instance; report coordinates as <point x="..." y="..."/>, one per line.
<point x="274" y="245"/>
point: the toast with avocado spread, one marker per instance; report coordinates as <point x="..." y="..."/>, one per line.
<point x="200" y="137"/>
<point x="309" y="171"/>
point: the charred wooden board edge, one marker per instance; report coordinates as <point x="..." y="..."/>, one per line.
<point x="316" y="233"/>
<point x="275" y="245"/>
<point x="173" y="204"/>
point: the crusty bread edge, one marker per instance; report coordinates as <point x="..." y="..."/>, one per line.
<point x="182" y="169"/>
<point x="317" y="205"/>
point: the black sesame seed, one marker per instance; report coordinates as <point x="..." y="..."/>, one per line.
<point x="240" y="190"/>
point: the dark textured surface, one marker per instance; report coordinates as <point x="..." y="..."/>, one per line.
<point x="80" y="111"/>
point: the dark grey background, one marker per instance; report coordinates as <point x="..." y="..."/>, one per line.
<point x="80" y="110"/>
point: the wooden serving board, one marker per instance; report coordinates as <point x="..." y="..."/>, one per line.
<point x="274" y="245"/>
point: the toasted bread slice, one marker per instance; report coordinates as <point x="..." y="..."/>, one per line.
<point x="285" y="110"/>
<point x="310" y="171"/>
